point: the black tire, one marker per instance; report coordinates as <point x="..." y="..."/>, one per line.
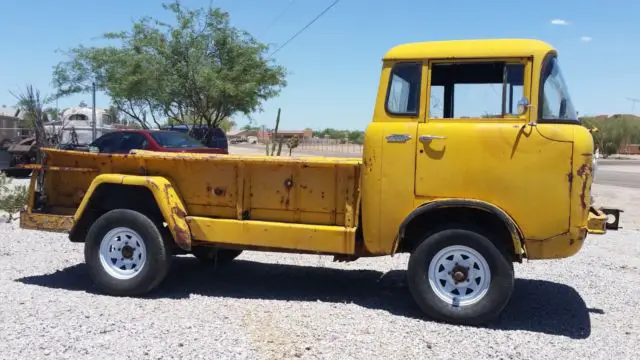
<point x="486" y="308"/>
<point x="215" y="256"/>
<point x="158" y="254"/>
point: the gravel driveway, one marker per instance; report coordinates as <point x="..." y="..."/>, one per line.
<point x="272" y="306"/>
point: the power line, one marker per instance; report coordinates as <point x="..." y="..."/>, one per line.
<point x="305" y="27"/>
<point x="279" y="16"/>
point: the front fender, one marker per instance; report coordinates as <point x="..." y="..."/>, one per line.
<point x="169" y="202"/>
<point x="514" y="231"/>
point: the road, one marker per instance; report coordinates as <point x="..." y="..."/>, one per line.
<point x="610" y="175"/>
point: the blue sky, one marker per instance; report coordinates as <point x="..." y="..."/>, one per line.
<point x="334" y="65"/>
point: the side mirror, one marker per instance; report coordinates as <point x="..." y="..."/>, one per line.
<point x="523" y="105"/>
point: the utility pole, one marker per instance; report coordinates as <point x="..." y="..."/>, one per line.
<point x="633" y="103"/>
<point x="93" y="113"/>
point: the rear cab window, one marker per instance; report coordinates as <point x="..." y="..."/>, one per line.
<point x="175" y="140"/>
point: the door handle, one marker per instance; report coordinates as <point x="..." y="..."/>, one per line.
<point x="427" y="138"/>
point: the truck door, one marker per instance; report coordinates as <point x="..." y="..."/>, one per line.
<point x="475" y="144"/>
<point x="389" y="153"/>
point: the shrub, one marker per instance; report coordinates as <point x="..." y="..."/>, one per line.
<point x="12" y="197"/>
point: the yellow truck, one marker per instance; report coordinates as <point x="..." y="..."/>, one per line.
<point x="474" y="159"/>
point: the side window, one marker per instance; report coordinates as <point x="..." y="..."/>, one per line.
<point x="131" y="141"/>
<point x="108" y="143"/>
<point x="475" y="90"/>
<point x="403" y="94"/>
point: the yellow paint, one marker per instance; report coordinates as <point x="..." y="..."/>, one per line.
<point x="597" y="222"/>
<point x="46" y="222"/>
<point x="171" y="206"/>
<point x="275" y="235"/>
<point x="537" y="174"/>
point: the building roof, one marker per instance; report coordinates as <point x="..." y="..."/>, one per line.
<point x="469" y="49"/>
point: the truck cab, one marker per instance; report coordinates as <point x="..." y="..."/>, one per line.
<point x="488" y="121"/>
<point x="474" y="159"/>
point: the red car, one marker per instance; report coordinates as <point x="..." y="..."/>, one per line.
<point x="123" y="141"/>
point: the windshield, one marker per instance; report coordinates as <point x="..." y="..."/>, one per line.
<point x="556" y="103"/>
<point x="174" y="139"/>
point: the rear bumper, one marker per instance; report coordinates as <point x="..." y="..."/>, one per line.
<point x="603" y="219"/>
<point x="46" y="222"/>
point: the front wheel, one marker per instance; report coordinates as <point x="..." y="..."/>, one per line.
<point x="459" y="276"/>
<point x="126" y="253"/>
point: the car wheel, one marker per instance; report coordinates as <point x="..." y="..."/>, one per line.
<point x="459" y="276"/>
<point x="126" y="253"/>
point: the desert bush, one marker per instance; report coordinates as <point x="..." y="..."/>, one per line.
<point x="12" y="197"/>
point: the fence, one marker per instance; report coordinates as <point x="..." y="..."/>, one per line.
<point x="329" y="145"/>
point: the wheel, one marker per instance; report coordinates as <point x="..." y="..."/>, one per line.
<point x="459" y="276"/>
<point x="126" y="253"/>
<point x="215" y="256"/>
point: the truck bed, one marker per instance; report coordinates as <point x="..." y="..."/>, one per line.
<point x="221" y="192"/>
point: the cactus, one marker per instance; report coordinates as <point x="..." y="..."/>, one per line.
<point x="274" y="138"/>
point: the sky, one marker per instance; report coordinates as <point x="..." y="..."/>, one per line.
<point x="334" y="66"/>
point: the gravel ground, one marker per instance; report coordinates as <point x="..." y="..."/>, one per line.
<point x="274" y="306"/>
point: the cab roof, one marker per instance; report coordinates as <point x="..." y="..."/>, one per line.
<point x="469" y="49"/>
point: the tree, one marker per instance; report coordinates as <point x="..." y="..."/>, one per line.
<point x="32" y="105"/>
<point x="83" y="104"/>
<point x="227" y="125"/>
<point x="51" y="114"/>
<point x="613" y="131"/>
<point x="199" y="68"/>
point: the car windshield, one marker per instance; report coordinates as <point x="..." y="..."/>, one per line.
<point x="556" y="103"/>
<point x="174" y="139"/>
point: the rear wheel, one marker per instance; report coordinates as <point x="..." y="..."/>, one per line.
<point x="126" y="253"/>
<point x="215" y="256"/>
<point x="459" y="276"/>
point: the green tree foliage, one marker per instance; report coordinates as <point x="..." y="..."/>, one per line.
<point x="613" y="131"/>
<point x="352" y="136"/>
<point x="199" y="68"/>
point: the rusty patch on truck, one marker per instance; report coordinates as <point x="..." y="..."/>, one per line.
<point x="182" y="237"/>
<point x="152" y="184"/>
<point x="179" y="212"/>
<point x="584" y="172"/>
<point x="219" y="191"/>
<point x="288" y="185"/>
<point x="46" y="222"/>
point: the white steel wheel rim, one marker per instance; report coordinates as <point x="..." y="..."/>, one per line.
<point x="123" y="253"/>
<point x="445" y="272"/>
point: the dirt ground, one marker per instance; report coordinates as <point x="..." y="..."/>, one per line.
<point x="626" y="199"/>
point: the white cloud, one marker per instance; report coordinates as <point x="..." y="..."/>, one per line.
<point x="586" y="38"/>
<point x="559" y="22"/>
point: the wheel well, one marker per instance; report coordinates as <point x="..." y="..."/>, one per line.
<point x="432" y="221"/>
<point x="107" y="197"/>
